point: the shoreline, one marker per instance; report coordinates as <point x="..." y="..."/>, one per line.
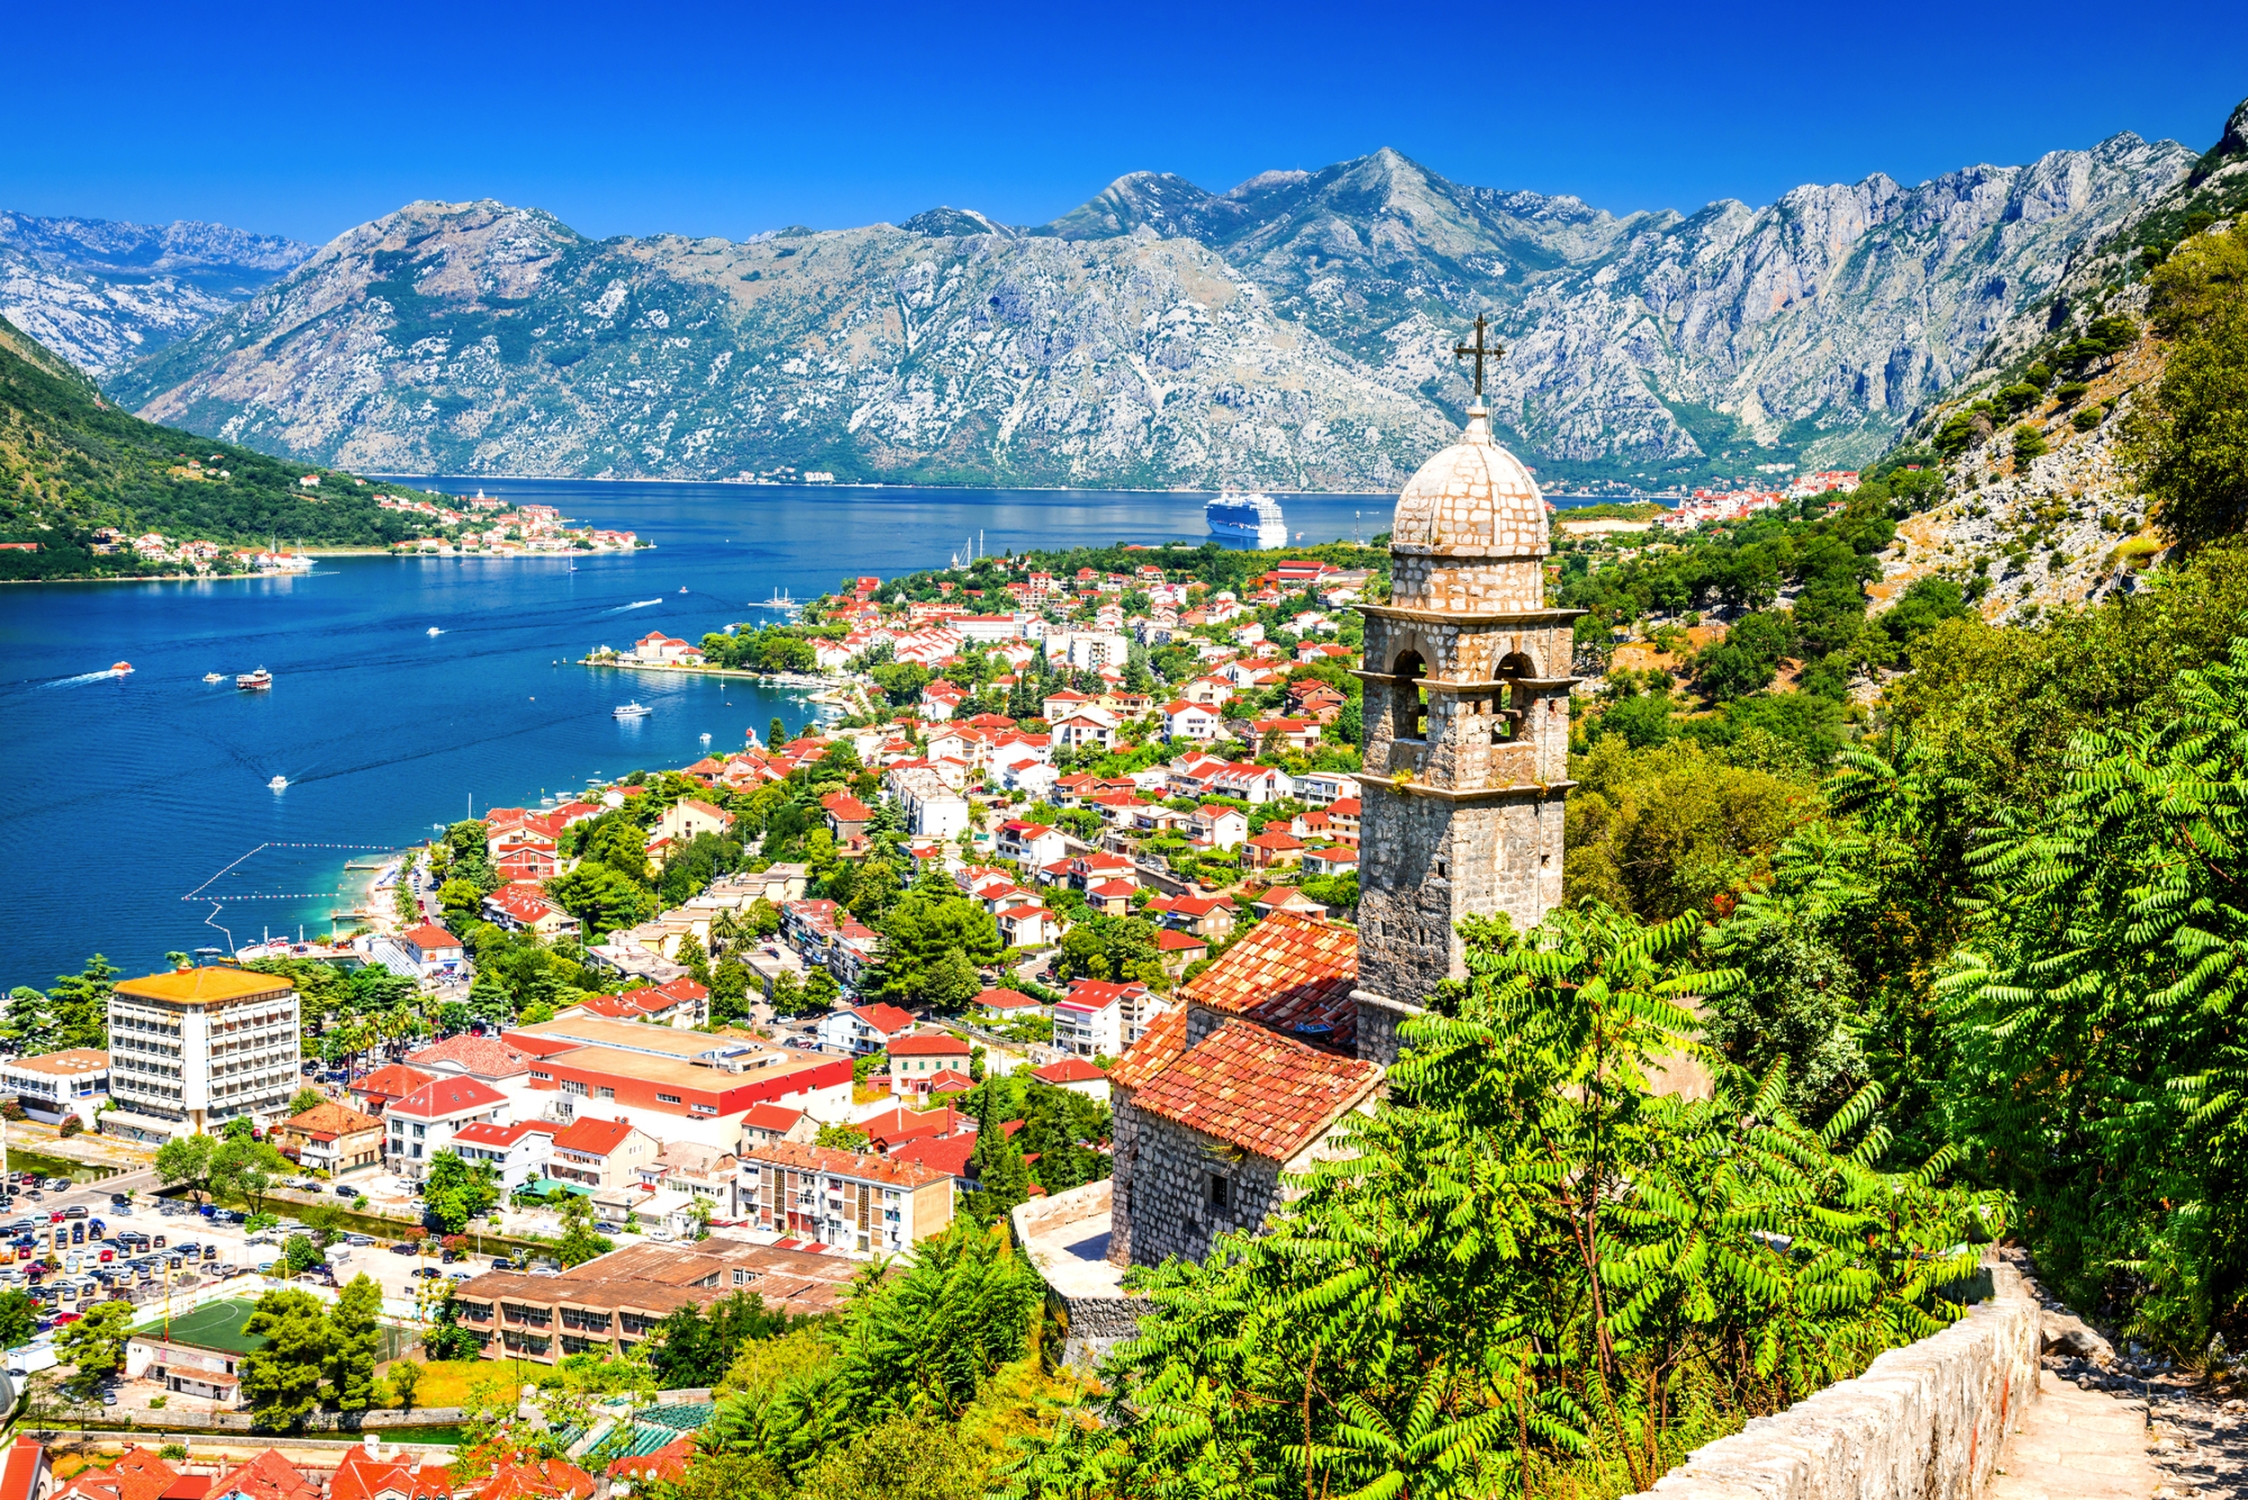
<point x="1389" y="496"/>
<point x="336" y="552"/>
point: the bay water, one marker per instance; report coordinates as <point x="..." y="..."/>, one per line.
<point x="135" y="813"/>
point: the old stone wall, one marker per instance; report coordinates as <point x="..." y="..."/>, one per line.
<point x="1163" y="1203"/>
<point x="1463" y="585"/>
<point x="1925" y="1421"/>
<point x="1428" y="861"/>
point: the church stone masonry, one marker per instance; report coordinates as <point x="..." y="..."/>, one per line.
<point x="1467" y="728"/>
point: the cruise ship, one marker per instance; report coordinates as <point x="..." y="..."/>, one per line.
<point x="1253" y="520"/>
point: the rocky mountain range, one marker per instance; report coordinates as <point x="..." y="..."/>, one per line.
<point x="102" y="293"/>
<point x="1294" y="332"/>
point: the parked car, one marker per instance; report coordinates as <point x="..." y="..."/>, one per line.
<point x="121" y="1200"/>
<point x="429" y="1271"/>
<point x="75" y="1211"/>
<point x="402" y="1248"/>
<point x="58" y="1184"/>
<point x="346" y="1190"/>
<point x="359" y="1239"/>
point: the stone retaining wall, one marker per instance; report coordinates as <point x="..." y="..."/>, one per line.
<point x="1926" y="1421"/>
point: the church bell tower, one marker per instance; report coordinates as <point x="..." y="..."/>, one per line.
<point x="1466" y="718"/>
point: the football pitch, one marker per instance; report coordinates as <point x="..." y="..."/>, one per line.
<point x="214" y="1325"/>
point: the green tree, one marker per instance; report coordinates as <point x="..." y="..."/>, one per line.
<point x="457" y="1191"/>
<point x="953" y="981"/>
<point x="405" y="1380"/>
<point x="1002" y="1179"/>
<point x="185" y="1161"/>
<point x="281" y="1379"/>
<point x="602" y="898"/>
<point x="776" y="733"/>
<point x="95" y="1344"/>
<point x="79" y="1004"/>
<point x="355" y="1344"/>
<point x="299" y="1255"/>
<point x="244" y="1170"/>
<point x="306" y="1098"/>
<point x="461" y="902"/>
<point x="922" y="929"/>
<point x="2099" y="1014"/>
<point x="19" y="1318"/>
<point x="729" y="992"/>
<point x="842" y="1137"/>
<point x="2190" y="442"/>
<point x="579" y="1242"/>
<point x="1528" y="1259"/>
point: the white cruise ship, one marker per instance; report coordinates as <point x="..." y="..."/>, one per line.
<point x="1251" y="519"/>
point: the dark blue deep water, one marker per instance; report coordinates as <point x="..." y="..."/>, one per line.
<point x="124" y="795"/>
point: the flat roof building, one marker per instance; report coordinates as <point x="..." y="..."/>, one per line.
<point x="194" y="1048"/>
<point x="611" y="1304"/>
<point x="56" y="1084"/>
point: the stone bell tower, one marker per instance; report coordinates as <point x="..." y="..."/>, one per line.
<point x="1467" y="725"/>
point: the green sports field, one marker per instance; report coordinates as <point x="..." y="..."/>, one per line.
<point x="218" y="1325"/>
<point x="214" y="1325"/>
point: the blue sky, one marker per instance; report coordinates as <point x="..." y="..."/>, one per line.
<point x="729" y="119"/>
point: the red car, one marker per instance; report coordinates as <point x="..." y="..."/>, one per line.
<point x="62" y="1318"/>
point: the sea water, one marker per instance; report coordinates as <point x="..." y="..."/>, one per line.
<point x="124" y="797"/>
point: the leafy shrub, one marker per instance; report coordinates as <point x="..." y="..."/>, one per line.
<point x="2029" y="442"/>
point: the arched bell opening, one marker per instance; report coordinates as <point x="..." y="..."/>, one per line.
<point x="1408" y="700"/>
<point x="1511" y="720"/>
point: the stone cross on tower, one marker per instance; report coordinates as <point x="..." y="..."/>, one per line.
<point x="1481" y="353"/>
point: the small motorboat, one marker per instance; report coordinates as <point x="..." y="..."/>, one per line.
<point x="682" y="588"/>
<point x="214" y="677"/>
<point x="121" y="668"/>
<point x="279" y="783"/>
<point x="254" y="682"/>
<point x="433" y="630"/>
<point x="706" y="737"/>
<point x="631" y="711"/>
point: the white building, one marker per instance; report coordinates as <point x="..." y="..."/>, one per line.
<point x="516" y="1153"/>
<point x="1088" y="648"/>
<point x="191" y="1049"/>
<point x="426" y="1120"/>
<point x="929" y="808"/>
<point x="56" y="1085"/>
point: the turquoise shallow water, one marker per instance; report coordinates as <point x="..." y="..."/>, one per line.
<point x="124" y="795"/>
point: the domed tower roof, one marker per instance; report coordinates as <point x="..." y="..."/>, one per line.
<point x="1473" y="500"/>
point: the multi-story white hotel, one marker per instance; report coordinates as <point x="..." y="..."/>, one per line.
<point x="192" y="1049"/>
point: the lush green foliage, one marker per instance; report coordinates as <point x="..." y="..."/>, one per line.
<point x="695" y="1347"/>
<point x="1532" y="1259"/>
<point x="2191" y="441"/>
<point x="71" y="461"/>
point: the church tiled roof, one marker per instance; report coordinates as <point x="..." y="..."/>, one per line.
<point x="1158" y="1047"/>
<point x="1258" y="1090"/>
<point x="1292" y="973"/>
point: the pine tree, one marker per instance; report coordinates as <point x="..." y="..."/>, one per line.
<point x="281" y="1381"/>
<point x="1002" y="1179"/>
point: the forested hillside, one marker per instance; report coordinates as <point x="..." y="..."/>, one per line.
<point x="71" y="462"/>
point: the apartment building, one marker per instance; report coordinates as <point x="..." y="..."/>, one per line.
<point x="861" y="1204"/>
<point x="426" y="1120"/>
<point x="194" y="1048"/>
<point x="56" y="1085"/>
<point x="611" y="1304"/>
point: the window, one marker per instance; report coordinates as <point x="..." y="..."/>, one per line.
<point x="572" y="1086"/>
<point x="667" y="1098"/>
<point x="542" y="1077"/>
<point x="1221" y="1190"/>
<point x="604" y="1093"/>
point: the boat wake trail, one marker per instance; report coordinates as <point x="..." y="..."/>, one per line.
<point x="102" y="676"/>
<point x="620" y="609"/>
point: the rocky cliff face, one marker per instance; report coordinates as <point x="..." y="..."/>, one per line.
<point x="1293" y="332"/>
<point x="103" y="294"/>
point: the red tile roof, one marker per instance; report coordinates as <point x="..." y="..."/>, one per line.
<point x="1158" y="1047"/>
<point x="329" y="1120"/>
<point x="891" y="1130"/>
<point x="269" y="1476"/>
<point x="928" y="1044"/>
<point x="1068" y="1070"/>
<point x="482" y="1056"/>
<point x="1171" y="940"/>
<point x="1258" y="1090"/>
<point x="865" y="1168"/>
<point x="1003" y="1000"/>
<point x="947" y="1154"/>
<point x="667" y="1464"/>
<point x="362" y="1476"/>
<point x="771" y="1117"/>
<point x="1291" y="973"/>
<point x="484" y="1133"/>
<point x="887" y="1019"/>
<point x="448" y="1096"/>
<point x="138" y="1474"/>
<point x="593" y="1137"/>
<point x="536" y="1479"/>
<point x="429" y="935"/>
<point x="391" y="1081"/>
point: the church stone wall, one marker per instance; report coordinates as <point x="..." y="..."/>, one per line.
<point x="1424" y="582"/>
<point x="1427" y="861"/>
<point x="1162" y="1203"/>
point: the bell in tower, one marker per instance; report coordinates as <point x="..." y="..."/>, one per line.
<point x="1467" y="724"/>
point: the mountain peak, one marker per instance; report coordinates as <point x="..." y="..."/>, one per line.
<point x="947" y="222"/>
